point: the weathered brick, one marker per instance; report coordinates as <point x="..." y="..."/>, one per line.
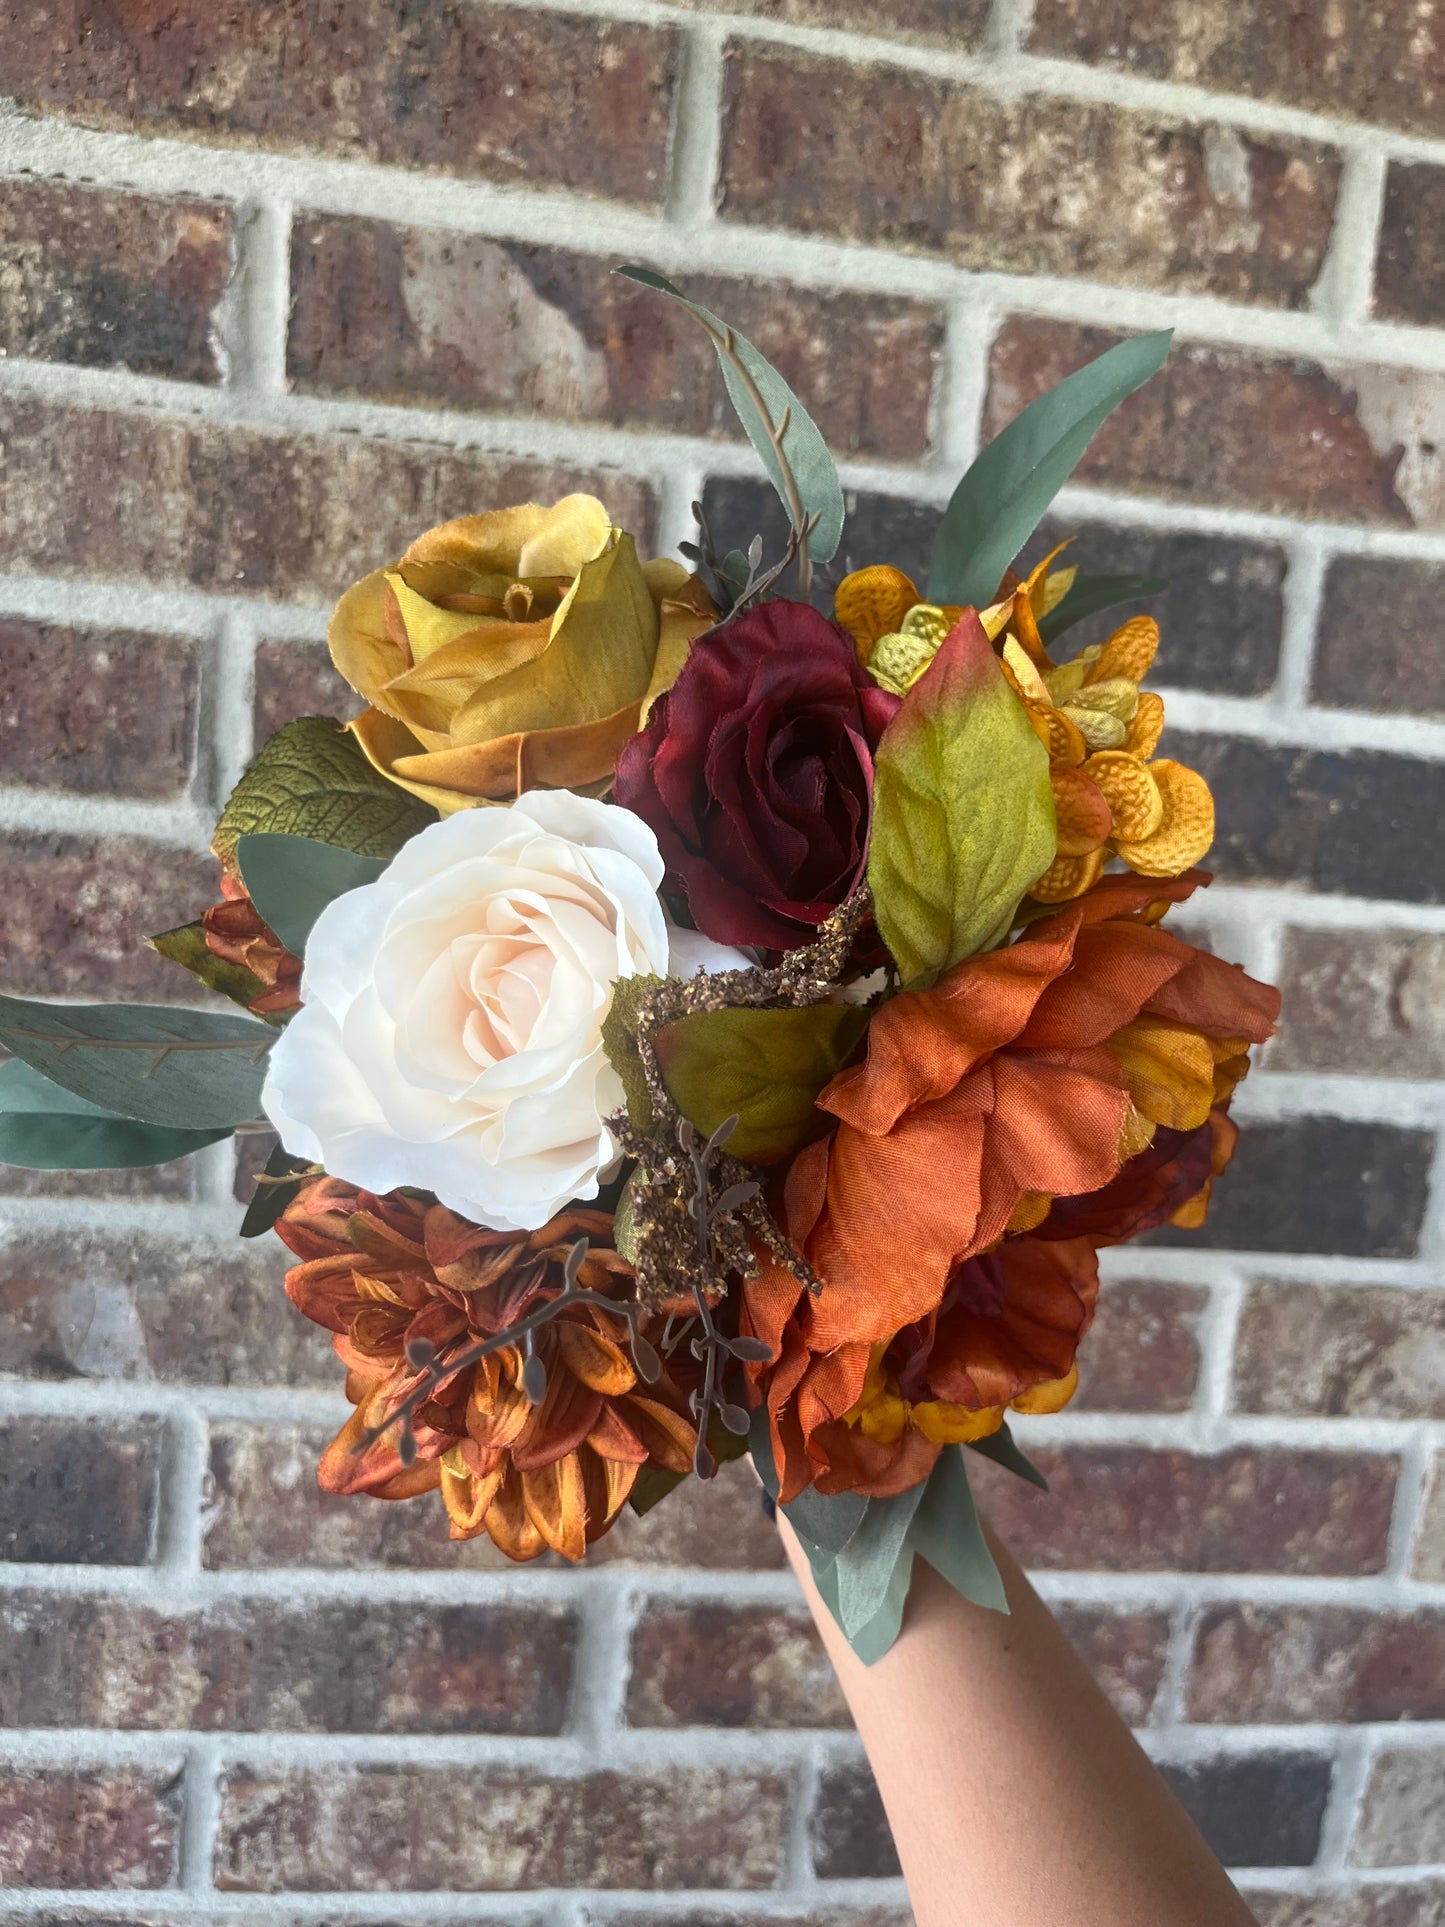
<point x="717" y="1665"/>
<point x="1379" y="640"/>
<point x="1429" y="1563"/>
<point x="105" y="1827"/>
<point x="1256" y="1809"/>
<point x="1372" y="1906"/>
<point x="1123" y="1649"/>
<point x="297" y="679"/>
<point x="1318" y="1184"/>
<point x="1125" y="1508"/>
<point x="1402" y="1816"/>
<point x="1344" y="443"/>
<point x="1379" y="59"/>
<point x="1141" y="1354"/>
<point x="1356" y="1351"/>
<point x="1410" y="270"/>
<point x="849" y="1829"/>
<point x="112" y="280"/>
<point x="1270" y="1664"/>
<point x="474" y="90"/>
<point x="1091" y="190"/>
<point x="91" y="1305"/>
<point x="719" y="1525"/>
<point x="317" y="1666"/>
<point x="411" y="1829"/>
<point x="1369" y="1002"/>
<point x="424" y="314"/>
<point x="78" y="911"/>
<point x="96" y="709"/>
<point x="78" y="1491"/>
<point x="206" y="505"/>
<point x="172" y="1183"/>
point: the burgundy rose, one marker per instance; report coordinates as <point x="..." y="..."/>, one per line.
<point x="755" y="771"/>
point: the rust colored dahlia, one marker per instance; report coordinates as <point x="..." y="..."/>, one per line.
<point x="385" y="1273"/>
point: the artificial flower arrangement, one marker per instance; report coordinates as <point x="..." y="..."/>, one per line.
<point x="695" y="1023"/>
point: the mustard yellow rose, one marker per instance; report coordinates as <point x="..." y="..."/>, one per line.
<point x="513" y="651"/>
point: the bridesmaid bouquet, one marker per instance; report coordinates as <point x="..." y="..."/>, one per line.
<point x="695" y="1023"/>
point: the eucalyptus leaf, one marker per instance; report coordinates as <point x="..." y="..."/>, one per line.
<point x="828" y="1520"/>
<point x="44" y="1127"/>
<point x="866" y="1564"/>
<point x="1005" y="494"/>
<point x="1003" y="1449"/>
<point x="185" y="1069"/>
<point x="873" y="1639"/>
<point x="186" y="945"/>
<point x="1090" y="595"/>
<point x="947" y="1533"/>
<point x="764" y="1067"/>
<point x="766" y="405"/>
<point x="291" y="879"/>
<point x="312" y="779"/>
<point x="760" y="1444"/>
<point x="275" y="1188"/>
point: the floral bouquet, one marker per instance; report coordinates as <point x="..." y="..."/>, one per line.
<point x="695" y="1023"/>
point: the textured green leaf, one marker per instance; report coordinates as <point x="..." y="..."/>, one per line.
<point x="963" y="815"/>
<point x="44" y="1127"/>
<point x="186" y="945"/>
<point x="1003" y="1449"/>
<point x="619" y="1040"/>
<point x="191" y="1070"/>
<point x="764" y="1066"/>
<point x="311" y="779"/>
<point x="757" y="382"/>
<point x="279" y="1182"/>
<point x="1090" y="595"/>
<point x="1003" y="497"/>
<point x="291" y="879"/>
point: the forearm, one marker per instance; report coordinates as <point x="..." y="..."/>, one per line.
<point x="1014" y="1791"/>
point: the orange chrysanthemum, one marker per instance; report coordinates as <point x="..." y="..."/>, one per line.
<point x="381" y="1272"/>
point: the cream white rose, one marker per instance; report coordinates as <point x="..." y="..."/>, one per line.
<point x="450" y="1035"/>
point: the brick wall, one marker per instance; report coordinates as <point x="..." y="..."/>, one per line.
<point x="281" y="286"/>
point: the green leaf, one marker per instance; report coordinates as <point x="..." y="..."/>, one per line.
<point x="866" y="1563"/>
<point x="760" y="1444"/>
<point x="963" y="814"/>
<point x="653" y="1484"/>
<point x="826" y="1520"/>
<point x="764" y="1066"/>
<point x="1003" y="1449"/>
<point x="766" y="404"/>
<point x="44" y="1127"/>
<point x="192" y="1070"/>
<point x="624" y="1222"/>
<point x="275" y="1188"/>
<point x="619" y="1040"/>
<point x="947" y="1533"/>
<point x="312" y="779"/>
<point x="186" y="945"/>
<point x="1090" y="595"/>
<point x="1003" y="497"/>
<point x="291" y="879"/>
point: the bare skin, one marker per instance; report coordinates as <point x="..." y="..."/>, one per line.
<point x="1014" y="1790"/>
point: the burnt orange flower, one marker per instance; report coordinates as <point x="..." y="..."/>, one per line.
<point x="382" y="1272"/>
<point x="234" y="932"/>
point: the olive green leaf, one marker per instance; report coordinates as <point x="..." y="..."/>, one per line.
<point x="765" y="1066"/>
<point x="1090" y="595"/>
<point x="275" y="1188"/>
<point x="312" y="779"/>
<point x="291" y="879"/>
<point x="619" y="1040"/>
<point x="44" y="1127"/>
<point x="186" y="945"/>
<point x="1003" y="497"/>
<point x="963" y="814"/>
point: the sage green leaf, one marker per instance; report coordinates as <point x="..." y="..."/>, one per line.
<point x="44" y="1127"/>
<point x="867" y="1562"/>
<point x="275" y="1188"/>
<point x="947" y="1533"/>
<point x="764" y="1066"/>
<point x="772" y="414"/>
<point x="619" y="1040"/>
<point x="186" y="945"/>
<point x="291" y="879"/>
<point x="828" y="1520"/>
<point x="1002" y="1447"/>
<point x="193" y="1070"/>
<point x="1004" y="496"/>
<point x="1090" y="595"/>
<point x="760" y="1444"/>
<point x="312" y="779"/>
<point x="963" y="814"/>
<point x="872" y="1639"/>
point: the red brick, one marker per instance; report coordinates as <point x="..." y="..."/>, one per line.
<point x="204" y="505"/>
<point x="955" y="24"/>
<point x="297" y="679"/>
<point x="112" y="280"/>
<point x="1429" y="1563"/>
<point x="1372" y="1906"/>
<point x="1366" y="1002"/>
<point x="848" y="1828"/>
<point x="1396" y="603"/>
<point x="1410" y="272"/>
<point x="79" y="1491"/>
<point x="408" y="1829"/>
<point x="1141" y="1354"/>
<point x="1268" y="1665"/>
<point x="1346" y="443"/>
<point x="719" y="1525"/>
<point x="1379" y="59"/>
<point x="715" y="1665"/>
<point x="423" y="314"/>
<point x="1355" y="1351"/>
<point x="476" y="90"/>
<point x="107" y="1827"/>
<point x="96" y="709"/>
<point x="78" y="911"/>
<point x="1402" y="1816"/>
<point x="1126" y="1652"/>
<point x="1090" y="190"/>
<point x="88" y="1305"/>
<point x="1124" y="1508"/>
<point x="318" y="1666"/>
